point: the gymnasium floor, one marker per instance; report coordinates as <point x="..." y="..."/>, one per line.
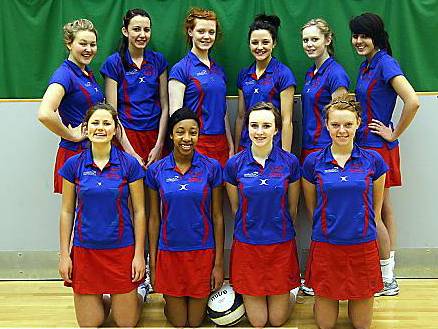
<point x="49" y="304"/>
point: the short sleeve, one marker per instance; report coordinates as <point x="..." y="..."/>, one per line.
<point x="338" y="78"/>
<point x="179" y="73"/>
<point x="216" y="174"/>
<point x="69" y="169"/>
<point x="112" y="67"/>
<point x="161" y="63"/>
<point x="380" y="167"/>
<point x="286" y="78"/>
<point x="308" y="169"/>
<point x="150" y="178"/>
<point x="295" y="172"/>
<point x="230" y="171"/>
<point x="240" y="78"/>
<point x="135" y="171"/>
<point x="63" y="77"/>
<point x="390" y="69"/>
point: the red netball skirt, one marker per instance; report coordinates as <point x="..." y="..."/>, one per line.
<point x="344" y="272"/>
<point x="62" y="155"/>
<point x="102" y="271"/>
<point x="143" y="141"/>
<point x="214" y="146"/>
<point x="305" y="153"/>
<point x="264" y="270"/>
<point x="392" y="159"/>
<point x="184" y="273"/>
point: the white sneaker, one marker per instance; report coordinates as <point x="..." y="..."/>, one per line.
<point x="307" y="290"/>
<point x="293" y="294"/>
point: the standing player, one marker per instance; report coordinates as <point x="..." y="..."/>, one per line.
<point x="324" y="81"/>
<point x="199" y="84"/>
<point x="266" y="80"/>
<point x="263" y="187"/>
<point x="343" y="188"/>
<point x="186" y="236"/>
<point x="71" y="92"/>
<point x="136" y="85"/>
<point x="379" y="83"/>
<point x="107" y="256"/>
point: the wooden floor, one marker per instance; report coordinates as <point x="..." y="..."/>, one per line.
<point x="50" y="304"/>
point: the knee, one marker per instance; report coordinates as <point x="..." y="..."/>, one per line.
<point x="90" y="323"/>
<point x="278" y="320"/>
<point x="177" y="323"/>
<point x="257" y="322"/>
<point x="126" y="323"/>
<point x="321" y="324"/>
<point x="361" y="324"/>
<point x="194" y="323"/>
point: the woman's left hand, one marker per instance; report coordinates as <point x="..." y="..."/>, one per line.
<point x="380" y="129"/>
<point x="138" y="268"/>
<point x="231" y="151"/>
<point x="217" y="277"/>
<point x="154" y="155"/>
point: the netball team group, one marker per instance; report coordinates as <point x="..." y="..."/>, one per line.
<point x="121" y="182"/>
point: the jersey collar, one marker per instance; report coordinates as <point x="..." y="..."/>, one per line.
<point x="271" y="157"/>
<point x="376" y="58"/>
<point x="77" y="70"/>
<point x="323" y="67"/>
<point x="269" y="69"/>
<point x="113" y="160"/>
<point x="195" y="60"/>
<point x="131" y="62"/>
<point x="170" y="164"/>
<point x="327" y="155"/>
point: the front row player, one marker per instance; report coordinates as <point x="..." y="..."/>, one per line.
<point x="107" y="256"/>
<point x="186" y="238"/>
<point x="263" y="187"/>
<point x="343" y="188"/>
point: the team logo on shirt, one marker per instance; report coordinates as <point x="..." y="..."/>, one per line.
<point x="183" y="187"/>
<point x="172" y="179"/>
<point x="251" y="174"/>
<point x="256" y="90"/>
<point x="247" y="83"/>
<point x="344" y="178"/>
<point x="89" y="173"/>
<point x="141" y="80"/>
<point x="335" y="169"/>
<point x="263" y="181"/>
<point x="132" y="72"/>
<point x="203" y="72"/>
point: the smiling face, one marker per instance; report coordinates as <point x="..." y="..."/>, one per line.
<point x="261" y="127"/>
<point x="138" y="32"/>
<point x="185" y="136"/>
<point x="261" y="45"/>
<point x="342" y="126"/>
<point x="203" y="34"/>
<point x="314" y="42"/>
<point x="101" y="127"/>
<point x="83" y="48"/>
<point x="364" y="45"/>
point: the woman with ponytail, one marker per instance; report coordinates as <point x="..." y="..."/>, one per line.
<point x="379" y="82"/>
<point x="265" y="80"/>
<point x="324" y="81"/>
<point x="136" y="84"/>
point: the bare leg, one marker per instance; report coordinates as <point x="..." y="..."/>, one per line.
<point x="89" y="310"/>
<point x="360" y="312"/>
<point x="175" y="310"/>
<point x="196" y="311"/>
<point x="326" y="312"/>
<point x="389" y="219"/>
<point x="279" y="309"/>
<point x="256" y="310"/>
<point x="126" y="308"/>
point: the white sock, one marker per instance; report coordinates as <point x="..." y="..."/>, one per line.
<point x="141" y="291"/>
<point x="385" y="267"/>
<point x="392" y="259"/>
<point x="294" y="293"/>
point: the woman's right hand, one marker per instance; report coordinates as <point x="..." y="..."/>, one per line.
<point x="65" y="268"/>
<point x="152" y="277"/>
<point x="77" y="133"/>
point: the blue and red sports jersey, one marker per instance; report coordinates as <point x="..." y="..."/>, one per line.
<point x="205" y="91"/>
<point x="276" y="78"/>
<point x="317" y="93"/>
<point x="138" y="89"/>
<point x="102" y="217"/>
<point x="376" y="96"/>
<point x="186" y="214"/>
<point x="344" y="212"/>
<point x="263" y="215"/>
<point x="81" y="93"/>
